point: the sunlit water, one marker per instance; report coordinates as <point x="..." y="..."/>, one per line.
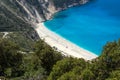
<point x="90" y="26"/>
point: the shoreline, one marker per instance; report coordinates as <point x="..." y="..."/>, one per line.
<point x="64" y="46"/>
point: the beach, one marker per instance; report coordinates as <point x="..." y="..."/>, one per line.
<point x="61" y="44"/>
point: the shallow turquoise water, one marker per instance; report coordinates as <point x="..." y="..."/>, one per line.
<point x="89" y="26"/>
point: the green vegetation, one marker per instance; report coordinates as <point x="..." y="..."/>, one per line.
<point x="16" y="64"/>
<point x="1" y="35"/>
<point x="10" y="59"/>
<point x="44" y="63"/>
<point x="21" y="39"/>
<point x="11" y="17"/>
<point x="105" y="67"/>
<point x="12" y="20"/>
<point x="114" y="75"/>
<point x="47" y="55"/>
<point x="67" y="68"/>
<point x="22" y="57"/>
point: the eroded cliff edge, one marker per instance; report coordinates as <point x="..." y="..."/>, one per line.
<point x="21" y="15"/>
<point x="38" y="10"/>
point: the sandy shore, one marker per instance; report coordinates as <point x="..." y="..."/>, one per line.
<point x="62" y="45"/>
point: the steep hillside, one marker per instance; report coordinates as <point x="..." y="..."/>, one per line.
<point x="20" y="16"/>
<point x="36" y="10"/>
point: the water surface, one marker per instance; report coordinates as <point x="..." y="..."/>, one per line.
<point x="89" y="26"/>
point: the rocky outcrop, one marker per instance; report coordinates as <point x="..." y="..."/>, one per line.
<point x="64" y="4"/>
<point x="36" y="11"/>
<point x="41" y="10"/>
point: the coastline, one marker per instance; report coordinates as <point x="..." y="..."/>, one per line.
<point x="64" y="46"/>
<point x="82" y="2"/>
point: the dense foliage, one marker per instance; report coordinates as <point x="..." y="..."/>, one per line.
<point x="47" y="55"/>
<point x="67" y="68"/>
<point x="17" y="64"/>
<point x="10" y="59"/>
<point x="105" y="67"/>
<point x="44" y="63"/>
<point x="21" y="60"/>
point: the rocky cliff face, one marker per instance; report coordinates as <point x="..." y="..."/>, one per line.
<point x="20" y="15"/>
<point x="41" y="10"/>
<point x="35" y="10"/>
<point x="38" y="10"/>
<point x="29" y="10"/>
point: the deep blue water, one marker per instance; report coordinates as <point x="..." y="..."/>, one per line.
<point x="90" y="26"/>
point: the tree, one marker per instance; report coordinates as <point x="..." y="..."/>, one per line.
<point x="65" y="66"/>
<point x="74" y="74"/>
<point x="69" y="76"/>
<point x="10" y="58"/>
<point x="108" y="61"/>
<point x="111" y="55"/>
<point x="32" y="67"/>
<point x="87" y="75"/>
<point x="114" y="75"/>
<point x="47" y="55"/>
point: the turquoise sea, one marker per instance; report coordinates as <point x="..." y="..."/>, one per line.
<point x="89" y="26"/>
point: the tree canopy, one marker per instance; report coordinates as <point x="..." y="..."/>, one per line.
<point x="45" y="63"/>
<point x="10" y="58"/>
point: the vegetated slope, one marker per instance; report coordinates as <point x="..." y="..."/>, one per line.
<point x="47" y="64"/>
<point x="17" y="65"/>
<point x="12" y="20"/>
<point x="20" y="16"/>
<point x="44" y="62"/>
<point x="105" y="67"/>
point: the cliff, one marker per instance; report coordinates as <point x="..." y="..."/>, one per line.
<point x="37" y="10"/>
<point x="21" y="15"/>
